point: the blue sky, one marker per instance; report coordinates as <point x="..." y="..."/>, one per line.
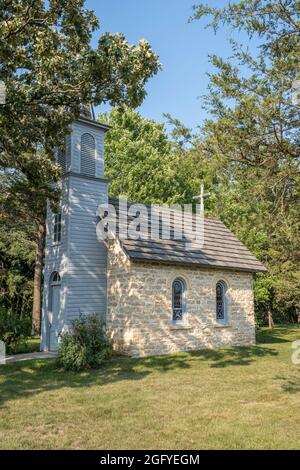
<point x="183" y="49"/>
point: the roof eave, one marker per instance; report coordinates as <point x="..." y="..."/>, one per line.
<point x="91" y="122"/>
<point x="195" y="265"/>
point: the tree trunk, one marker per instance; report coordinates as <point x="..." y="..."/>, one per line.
<point x="37" y="283"/>
<point x="270" y="319"/>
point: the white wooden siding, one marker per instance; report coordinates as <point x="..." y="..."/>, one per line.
<point x="80" y="258"/>
<point x="87" y="257"/>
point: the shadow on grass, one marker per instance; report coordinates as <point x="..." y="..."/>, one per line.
<point x="289" y="384"/>
<point x="239" y="356"/>
<point x="278" y="334"/>
<point x="26" y="379"/>
<point x="214" y="358"/>
<point x="271" y="339"/>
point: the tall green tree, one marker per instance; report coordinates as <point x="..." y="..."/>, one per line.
<point x="255" y="121"/>
<point x="22" y="202"/>
<point x="141" y="162"/>
<point x="17" y="255"/>
<point x="49" y="69"/>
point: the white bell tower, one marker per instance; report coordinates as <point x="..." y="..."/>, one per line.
<point x="75" y="261"/>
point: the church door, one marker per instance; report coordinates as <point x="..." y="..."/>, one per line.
<point x="53" y="312"/>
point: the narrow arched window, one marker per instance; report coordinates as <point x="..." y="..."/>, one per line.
<point x="178" y="300"/>
<point x="221" y="302"/>
<point x="87" y="155"/>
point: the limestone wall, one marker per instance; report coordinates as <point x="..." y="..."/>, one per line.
<point x="139" y="310"/>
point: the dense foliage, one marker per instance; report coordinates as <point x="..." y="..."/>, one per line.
<point x="139" y="161"/>
<point x="22" y="211"/>
<point x="50" y="69"/>
<point x="85" y="345"/>
<point x="253" y="133"/>
<point x="14" y="329"/>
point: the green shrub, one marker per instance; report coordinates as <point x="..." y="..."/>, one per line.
<point x="13" y="329"/>
<point x="85" y="346"/>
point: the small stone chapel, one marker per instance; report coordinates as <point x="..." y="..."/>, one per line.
<point x="154" y="296"/>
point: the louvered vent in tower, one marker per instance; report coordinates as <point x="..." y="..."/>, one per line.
<point x="87" y="157"/>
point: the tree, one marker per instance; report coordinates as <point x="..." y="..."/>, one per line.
<point x="49" y="69"/>
<point x="17" y="252"/>
<point x="254" y="134"/>
<point x="23" y="211"/>
<point x="141" y="162"/>
<point x="259" y="101"/>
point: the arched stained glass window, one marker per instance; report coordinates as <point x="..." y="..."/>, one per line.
<point x="221" y="302"/>
<point x="178" y="299"/>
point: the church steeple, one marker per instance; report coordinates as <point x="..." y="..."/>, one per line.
<point x="77" y="257"/>
<point x="84" y="146"/>
<point x="83" y="150"/>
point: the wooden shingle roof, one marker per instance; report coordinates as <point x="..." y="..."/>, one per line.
<point x="221" y="249"/>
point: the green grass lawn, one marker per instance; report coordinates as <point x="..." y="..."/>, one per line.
<point x="222" y="399"/>
<point x="31" y="344"/>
